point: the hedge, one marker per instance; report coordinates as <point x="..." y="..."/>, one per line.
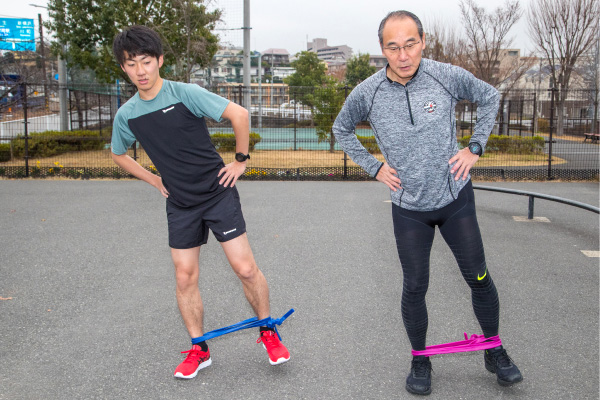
<point x="52" y="143"/>
<point x="510" y="144"/>
<point x="226" y="141"/>
<point x="369" y="143"/>
<point x="4" y="152"/>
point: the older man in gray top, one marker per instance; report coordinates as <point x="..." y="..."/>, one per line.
<point x="410" y="106"/>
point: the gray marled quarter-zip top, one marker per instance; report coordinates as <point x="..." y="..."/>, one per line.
<point x="415" y="128"/>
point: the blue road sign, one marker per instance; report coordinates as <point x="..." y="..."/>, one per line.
<point x="17" y="34"/>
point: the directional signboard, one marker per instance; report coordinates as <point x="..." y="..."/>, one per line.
<point x="17" y="34"/>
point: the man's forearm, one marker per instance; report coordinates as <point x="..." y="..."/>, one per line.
<point x="135" y="169"/>
<point x="242" y="134"/>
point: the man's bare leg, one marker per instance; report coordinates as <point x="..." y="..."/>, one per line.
<point x="188" y="294"/>
<point x="255" y="286"/>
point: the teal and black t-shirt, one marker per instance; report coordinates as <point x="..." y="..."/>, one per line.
<point x="172" y="129"/>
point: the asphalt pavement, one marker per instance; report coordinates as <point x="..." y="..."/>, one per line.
<point x="577" y="154"/>
<point x="88" y="310"/>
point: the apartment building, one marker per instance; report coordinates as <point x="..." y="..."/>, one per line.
<point x="329" y="53"/>
<point x="276" y="57"/>
<point x="273" y="94"/>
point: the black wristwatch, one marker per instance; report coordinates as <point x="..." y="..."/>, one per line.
<point x="475" y="148"/>
<point x="241" y="157"/>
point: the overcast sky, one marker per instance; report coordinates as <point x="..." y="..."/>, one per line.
<point x="288" y="24"/>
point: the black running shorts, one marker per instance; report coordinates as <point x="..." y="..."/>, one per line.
<point x="188" y="227"/>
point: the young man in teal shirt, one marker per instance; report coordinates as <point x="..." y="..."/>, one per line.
<point x="167" y="118"/>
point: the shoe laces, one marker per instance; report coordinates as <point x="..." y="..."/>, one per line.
<point x="421" y="368"/>
<point x="502" y="359"/>
<point x="192" y="355"/>
<point x="267" y="337"/>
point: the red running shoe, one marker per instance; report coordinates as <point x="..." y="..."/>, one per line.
<point x="278" y="354"/>
<point x="196" y="360"/>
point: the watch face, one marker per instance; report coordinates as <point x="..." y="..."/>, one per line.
<point x="475" y="148"/>
<point x="241" y="157"/>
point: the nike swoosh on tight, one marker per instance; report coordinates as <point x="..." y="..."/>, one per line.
<point x="484" y="275"/>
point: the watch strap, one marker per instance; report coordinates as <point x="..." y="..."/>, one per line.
<point x="476" y="148"/>
<point x="241" y="157"/>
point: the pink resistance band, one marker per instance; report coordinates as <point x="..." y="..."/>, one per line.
<point x="474" y="343"/>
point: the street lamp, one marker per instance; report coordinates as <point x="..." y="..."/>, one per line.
<point x="62" y="80"/>
<point x="43" y="53"/>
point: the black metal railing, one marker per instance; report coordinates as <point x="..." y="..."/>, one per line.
<point x="532" y="196"/>
<point x="34" y="143"/>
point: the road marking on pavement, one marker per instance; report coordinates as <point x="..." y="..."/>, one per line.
<point x="535" y="219"/>
<point x="591" y="253"/>
<point x="574" y="152"/>
<point x="387" y="201"/>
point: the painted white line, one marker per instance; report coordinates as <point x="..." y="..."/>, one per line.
<point x="387" y="201"/>
<point x="574" y="152"/>
<point x="535" y="219"/>
<point x="591" y="253"/>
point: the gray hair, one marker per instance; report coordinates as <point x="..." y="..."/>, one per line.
<point x="399" y="14"/>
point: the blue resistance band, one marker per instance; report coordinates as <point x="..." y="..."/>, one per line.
<point x="249" y="323"/>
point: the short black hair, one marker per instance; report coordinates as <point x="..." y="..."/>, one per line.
<point x="137" y="40"/>
<point x="399" y="14"/>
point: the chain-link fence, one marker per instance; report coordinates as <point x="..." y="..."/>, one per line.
<point x="291" y="134"/>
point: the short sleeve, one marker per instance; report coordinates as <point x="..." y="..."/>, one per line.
<point x="203" y="103"/>
<point x="122" y="136"/>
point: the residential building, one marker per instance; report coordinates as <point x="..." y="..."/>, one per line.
<point x="226" y="66"/>
<point x="279" y="73"/>
<point x="273" y="94"/>
<point x="316" y="44"/>
<point x="276" y="57"/>
<point x="378" y="62"/>
<point x="329" y="53"/>
<point x="336" y="68"/>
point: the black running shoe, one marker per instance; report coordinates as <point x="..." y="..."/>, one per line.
<point x="419" y="379"/>
<point x="498" y="362"/>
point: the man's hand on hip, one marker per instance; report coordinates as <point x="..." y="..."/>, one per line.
<point x="231" y="172"/>
<point x="463" y="161"/>
<point x="389" y="176"/>
<point x="158" y="183"/>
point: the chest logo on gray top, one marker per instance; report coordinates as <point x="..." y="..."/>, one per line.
<point x="429" y="106"/>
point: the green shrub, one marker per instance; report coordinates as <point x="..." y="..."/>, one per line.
<point x="369" y="143"/>
<point x="226" y="141"/>
<point x="300" y="123"/>
<point x="4" y="152"/>
<point x="510" y="144"/>
<point x="52" y="143"/>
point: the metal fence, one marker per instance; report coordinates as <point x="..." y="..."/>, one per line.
<point x="35" y="140"/>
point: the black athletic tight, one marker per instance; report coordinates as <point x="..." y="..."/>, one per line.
<point x="458" y="225"/>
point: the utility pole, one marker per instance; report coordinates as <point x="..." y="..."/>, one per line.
<point x="43" y="60"/>
<point x="259" y="90"/>
<point x="246" y="62"/>
<point x="62" y="80"/>
<point x="62" y="94"/>
<point x="595" y="125"/>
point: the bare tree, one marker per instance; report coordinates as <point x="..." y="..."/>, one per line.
<point x="486" y="36"/>
<point x="339" y="73"/>
<point x="589" y="69"/>
<point x="25" y="64"/>
<point x="562" y="31"/>
<point x="444" y="43"/>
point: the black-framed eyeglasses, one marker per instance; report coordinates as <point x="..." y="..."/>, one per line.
<point x="396" y="49"/>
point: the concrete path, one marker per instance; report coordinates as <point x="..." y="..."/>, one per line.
<point x="87" y="305"/>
